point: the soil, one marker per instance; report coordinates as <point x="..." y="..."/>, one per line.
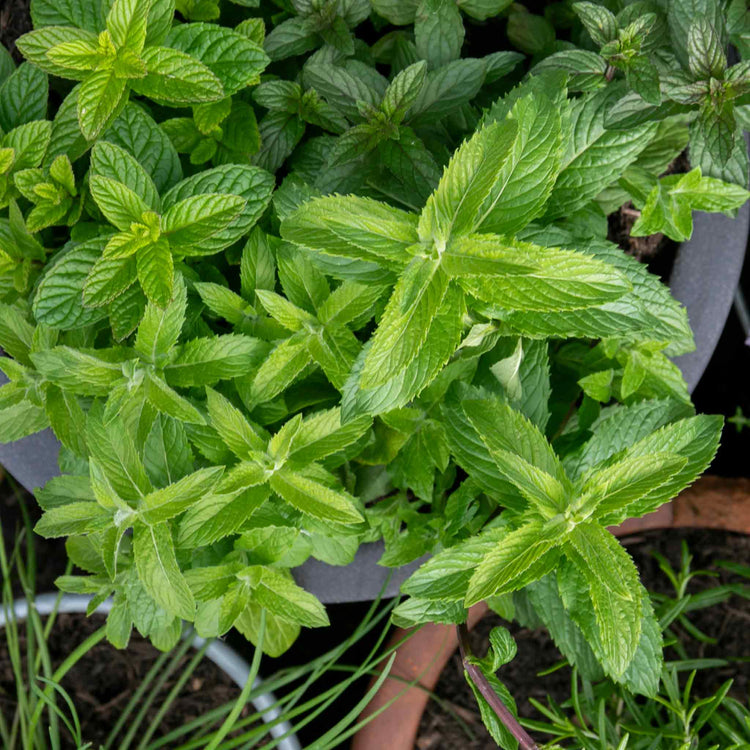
<point x="103" y="681"/>
<point x="14" y="21"/>
<point x="727" y="622"/>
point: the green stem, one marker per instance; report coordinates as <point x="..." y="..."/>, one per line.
<point x="241" y="701"/>
<point x="73" y="658"/>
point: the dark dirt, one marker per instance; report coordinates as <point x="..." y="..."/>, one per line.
<point x="727" y="622"/>
<point x="14" y="21"/>
<point x="103" y="681"/>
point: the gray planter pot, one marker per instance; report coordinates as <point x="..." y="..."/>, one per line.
<point x="227" y="660"/>
<point x="704" y="278"/>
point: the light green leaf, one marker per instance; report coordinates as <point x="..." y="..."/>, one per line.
<point x="81" y="372"/>
<point x="523" y="556"/>
<point x="159" y="572"/>
<point x="615" y="590"/>
<point x="233" y="427"/>
<point x="205" y="361"/>
<point x="442" y="340"/>
<point x="353" y="227"/>
<point x="453" y="209"/>
<point x="74" y="518"/>
<point x="176" y="78"/>
<point x="156" y="272"/>
<point x="99" y="96"/>
<point x="166" y="503"/>
<point x="160" y="328"/>
<point x="405" y="324"/>
<point x="194" y="220"/>
<point x="169" y="402"/>
<point x="304" y="490"/>
<point x="116" y="163"/>
<point x="282" y="597"/>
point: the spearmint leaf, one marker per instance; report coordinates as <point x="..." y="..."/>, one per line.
<point x="119" y="204"/>
<point x="350" y="304"/>
<point x="607" y="490"/>
<point x="16" y="333"/>
<point x="35" y="44"/>
<point x="168" y="502"/>
<point x="447" y="89"/>
<point x="23" y="97"/>
<point x="438" y="31"/>
<point x="20" y="420"/>
<point x="593" y="157"/>
<point x="252" y="184"/>
<point x="445" y="577"/>
<point x="29" y="142"/>
<point x="190" y="222"/>
<point x="586" y="70"/>
<point x="216" y="516"/>
<point x="694" y="439"/>
<point x="335" y="350"/>
<point x="136" y="132"/>
<point x="99" y="96"/>
<point x="304" y="490"/>
<point x="116" y="164"/>
<point x="407" y="319"/>
<point x="69" y="13"/>
<point x="599" y="22"/>
<point x="67" y="419"/>
<point x="160" y="328"/>
<point x="644" y="672"/>
<point x="232" y="57"/>
<point x="159" y="572"/>
<point x="280" y="368"/>
<point x="521" y="557"/>
<point x="403" y="90"/>
<point x="568" y="637"/>
<point x="279" y="634"/>
<point x="205" y="361"/>
<point x="302" y="283"/>
<point x="176" y="78"/>
<point x="74" y="518"/>
<point x="224" y="302"/>
<point x="279" y="134"/>
<point x="167" y="456"/>
<point x="282" y="597"/>
<point x="421" y="611"/>
<point x="126" y="23"/>
<point x="156" y="272"/>
<point x="322" y="434"/>
<point x="442" y="339"/>
<point x="58" y="301"/>
<point x="295" y="36"/>
<point x="452" y="210"/>
<point x="619" y="428"/>
<point x="343" y="87"/>
<point x="114" y="451"/>
<point x="615" y="590"/>
<point x="169" y="402"/>
<point x="353" y="227"/>
<point x="79" y="371"/>
<point x="529" y="174"/>
<point x="233" y="428"/>
<point x="562" y="279"/>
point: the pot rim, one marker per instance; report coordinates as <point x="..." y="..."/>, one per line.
<point x="224" y="657"/>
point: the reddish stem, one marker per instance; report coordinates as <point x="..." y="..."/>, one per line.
<point x="477" y="677"/>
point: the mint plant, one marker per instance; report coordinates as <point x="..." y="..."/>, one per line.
<point x="276" y="302"/>
<point x="673" y="62"/>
